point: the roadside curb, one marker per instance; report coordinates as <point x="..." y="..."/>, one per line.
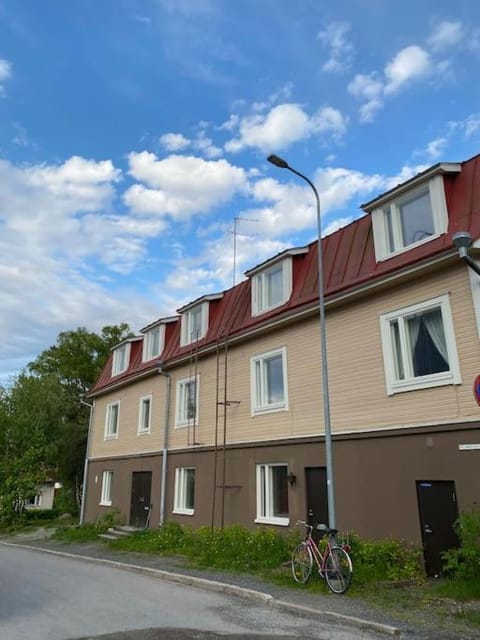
<point x="222" y="587"/>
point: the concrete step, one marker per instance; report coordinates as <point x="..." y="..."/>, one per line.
<point x="107" y="536"/>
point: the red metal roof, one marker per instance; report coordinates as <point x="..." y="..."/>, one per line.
<point x="348" y="262"/>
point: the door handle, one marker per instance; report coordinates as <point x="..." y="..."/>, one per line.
<point x="142" y="499"/>
<point x="310" y="513"/>
<point x="427" y="529"/>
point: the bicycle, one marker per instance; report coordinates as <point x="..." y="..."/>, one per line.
<point x="334" y="564"/>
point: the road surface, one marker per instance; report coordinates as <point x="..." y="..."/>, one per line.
<point x="48" y="597"/>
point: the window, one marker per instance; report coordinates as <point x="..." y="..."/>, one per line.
<point x="153" y="343"/>
<point x="184" y="500"/>
<point x="410" y="219"/>
<point x="121" y="356"/>
<point x="187" y="401"/>
<point x="419" y="346"/>
<point x="144" y="415"/>
<point x="272" y="287"/>
<point x="111" y="420"/>
<point x="269" y="381"/>
<point x="272" y="494"/>
<point x="194" y="323"/>
<point x="35" y="500"/>
<point x="107" y="480"/>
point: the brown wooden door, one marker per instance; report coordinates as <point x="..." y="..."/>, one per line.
<point x="316" y="494"/>
<point x="438" y="508"/>
<point x="140" y="502"/>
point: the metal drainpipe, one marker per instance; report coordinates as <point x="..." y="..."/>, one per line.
<point x="469" y="261"/>
<point x="85" y="467"/>
<point x="163" y="488"/>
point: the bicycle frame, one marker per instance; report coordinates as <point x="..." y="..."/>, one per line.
<point x="318" y="556"/>
<point x="334" y="564"/>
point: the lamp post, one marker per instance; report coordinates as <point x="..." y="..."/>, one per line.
<point x="282" y="164"/>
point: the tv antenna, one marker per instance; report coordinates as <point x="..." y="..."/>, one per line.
<point x="236" y="233"/>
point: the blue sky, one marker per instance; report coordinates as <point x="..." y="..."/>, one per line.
<point x="132" y="133"/>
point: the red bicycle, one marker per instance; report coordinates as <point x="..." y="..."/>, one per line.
<point x="334" y="564"/>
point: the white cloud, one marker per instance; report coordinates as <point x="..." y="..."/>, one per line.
<point x="335" y="225"/>
<point x="336" y="38"/>
<point x="283" y="125"/>
<point x="5" y="73"/>
<point x="205" y="145"/>
<point x="174" y="141"/>
<point x="409" y="63"/>
<point x="469" y="126"/>
<point x="446" y="34"/>
<point x="181" y="186"/>
<point x="369" y="89"/>
<point x="436" y="147"/>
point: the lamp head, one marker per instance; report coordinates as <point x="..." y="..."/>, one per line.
<point x="462" y="240"/>
<point x="278" y="162"/>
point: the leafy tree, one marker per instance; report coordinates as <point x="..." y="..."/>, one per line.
<point x="43" y="417"/>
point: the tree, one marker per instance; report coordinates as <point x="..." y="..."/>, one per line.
<point x="43" y="419"/>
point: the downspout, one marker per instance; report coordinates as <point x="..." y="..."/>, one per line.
<point x="85" y="468"/>
<point x="163" y="488"/>
<point x="462" y="240"/>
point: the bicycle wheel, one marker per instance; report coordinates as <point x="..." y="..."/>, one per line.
<point x="302" y="563"/>
<point x="338" y="570"/>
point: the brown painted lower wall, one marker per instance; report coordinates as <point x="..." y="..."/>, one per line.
<point x="375" y="479"/>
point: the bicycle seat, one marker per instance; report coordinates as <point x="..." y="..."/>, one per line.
<point x="326" y="529"/>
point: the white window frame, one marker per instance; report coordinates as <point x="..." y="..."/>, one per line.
<point x="148" y="352"/>
<point x="435" y="188"/>
<point x="121" y="359"/>
<point x="259" y="287"/>
<point x="186" y="332"/>
<point x="180" y="492"/>
<point x="258" y="386"/>
<point x="410" y="383"/>
<point x="265" y="507"/>
<point x="109" y="433"/>
<point x="180" y="419"/>
<point x="106" y="494"/>
<point x="141" y="415"/>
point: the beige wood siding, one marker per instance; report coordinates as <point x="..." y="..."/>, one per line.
<point x="358" y="396"/>
<point x="128" y="440"/>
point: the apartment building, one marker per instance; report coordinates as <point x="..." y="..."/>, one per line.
<point x="214" y="416"/>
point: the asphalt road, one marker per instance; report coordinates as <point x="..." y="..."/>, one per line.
<point x="47" y="597"/>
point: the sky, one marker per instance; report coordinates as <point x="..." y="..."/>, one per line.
<point x="134" y="137"/>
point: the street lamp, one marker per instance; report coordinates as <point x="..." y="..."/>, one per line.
<point x="282" y="164"/>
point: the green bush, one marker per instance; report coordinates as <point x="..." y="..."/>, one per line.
<point x="233" y="548"/>
<point x="40" y="515"/>
<point x="89" y="531"/>
<point x="464" y="563"/>
<point x="385" y="560"/>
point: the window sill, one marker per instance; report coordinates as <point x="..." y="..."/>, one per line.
<point x="143" y="433"/>
<point x="184" y="512"/>
<point x="114" y="437"/>
<point x="425" y="382"/>
<point x="414" y="245"/>
<point x="282" y="522"/>
<point x="105" y="504"/>
<point x="259" y="411"/>
<point x="261" y="312"/>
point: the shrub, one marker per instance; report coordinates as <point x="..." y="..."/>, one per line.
<point x="464" y="563"/>
<point x="385" y="560"/>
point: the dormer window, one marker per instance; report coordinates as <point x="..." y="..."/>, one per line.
<point x="121" y="357"/>
<point x="194" y="323"/>
<point x="272" y="286"/>
<point x="153" y="343"/>
<point x="411" y="214"/>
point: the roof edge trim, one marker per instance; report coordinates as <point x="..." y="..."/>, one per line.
<point x="438" y="169"/>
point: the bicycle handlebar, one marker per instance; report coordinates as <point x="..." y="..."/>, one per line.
<point x="319" y="527"/>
